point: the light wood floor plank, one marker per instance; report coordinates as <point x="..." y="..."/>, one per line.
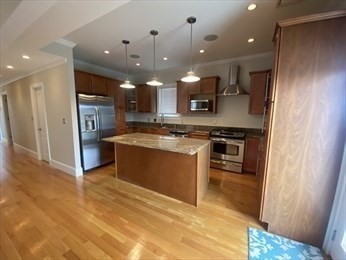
<point x="47" y="214"/>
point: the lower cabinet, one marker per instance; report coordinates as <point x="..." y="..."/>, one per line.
<point x="199" y="135"/>
<point x="251" y="154"/>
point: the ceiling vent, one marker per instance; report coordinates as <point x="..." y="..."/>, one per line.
<point x="287" y="2"/>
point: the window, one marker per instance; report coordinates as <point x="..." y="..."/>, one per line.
<point x="167" y="99"/>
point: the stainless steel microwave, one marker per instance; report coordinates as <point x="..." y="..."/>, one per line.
<point x="200" y="105"/>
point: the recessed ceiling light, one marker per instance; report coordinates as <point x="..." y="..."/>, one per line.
<point x="10" y="67"/>
<point x="251" y="40"/>
<point x="165" y="58"/>
<point x="138" y="64"/>
<point x="201" y="51"/>
<point x="25" y="57"/>
<point x="106" y="52"/>
<point x="135" y="56"/>
<point x="252" y="7"/>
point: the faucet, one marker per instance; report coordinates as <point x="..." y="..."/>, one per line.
<point x="162" y="119"/>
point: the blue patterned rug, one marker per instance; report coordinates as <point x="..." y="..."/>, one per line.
<point x="264" y="245"/>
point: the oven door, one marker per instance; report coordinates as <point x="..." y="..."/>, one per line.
<point x="227" y="149"/>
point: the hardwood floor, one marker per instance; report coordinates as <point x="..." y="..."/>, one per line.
<point x="47" y="214"/>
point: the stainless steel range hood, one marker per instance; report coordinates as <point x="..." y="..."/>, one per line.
<point x="233" y="88"/>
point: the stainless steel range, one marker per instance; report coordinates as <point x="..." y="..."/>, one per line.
<point x="227" y="150"/>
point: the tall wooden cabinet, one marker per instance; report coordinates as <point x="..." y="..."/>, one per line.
<point x="259" y="90"/>
<point x="306" y="129"/>
<point x="114" y="90"/>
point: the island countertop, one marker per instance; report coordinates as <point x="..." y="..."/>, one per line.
<point x="188" y="146"/>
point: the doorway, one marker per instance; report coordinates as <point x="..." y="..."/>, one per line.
<point x="335" y="239"/>
<point x="40" y="121"/>
<point x="6" y="127"/>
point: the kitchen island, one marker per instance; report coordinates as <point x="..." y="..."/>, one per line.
<point x="173" y="166"/>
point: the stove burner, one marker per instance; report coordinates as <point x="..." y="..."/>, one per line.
<point x="225" y="133"/>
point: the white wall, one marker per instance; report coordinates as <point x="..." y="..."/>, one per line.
<point x="232" y="110"/>
<point x="57" y="107"/>
<point x="60" y="102"/>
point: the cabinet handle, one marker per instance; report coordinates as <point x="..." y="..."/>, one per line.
<point x="218" y="162"/>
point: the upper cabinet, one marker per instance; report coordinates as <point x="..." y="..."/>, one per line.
<point x="98" y="85"/>
<point x="114" y="90"/>
<point x="182" y="97"/>
<point x="205" y="89"/>
<point x="259" y="91"/>
<point x="90" y="84"/>
<point x="146" y="98"/>
<point x="82" y="82"/>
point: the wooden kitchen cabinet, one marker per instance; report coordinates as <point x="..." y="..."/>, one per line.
<point x="90" y="84"/>
<point x="146" y="98"/>
<point x="194" y="87"/>
<point x="259" y="86"/>
<point x="206" y="88"/>
<point x="82" y="82"/>
<point x="251" y="154"/>
<point x="199" y="135"/>
<point x="303" y="143"/>
<point x="98" y="85"/>
<point x="159" y="131"/>
<point x="183" y="103"/>
<point x="209" y="85"/>
<point x="114" y="90"/>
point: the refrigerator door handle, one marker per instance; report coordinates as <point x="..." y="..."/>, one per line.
<point x="98" y="124"/>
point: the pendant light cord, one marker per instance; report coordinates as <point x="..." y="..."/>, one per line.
<point x="154" y="59"/>
<point x="191" y="48"/>
<point x="127" y="66"/>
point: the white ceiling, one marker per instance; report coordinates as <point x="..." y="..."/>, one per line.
<point x="29" y="26"/>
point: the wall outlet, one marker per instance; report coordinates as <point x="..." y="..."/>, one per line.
<point x="154" y="120"/>
<point x="214" y="122"/>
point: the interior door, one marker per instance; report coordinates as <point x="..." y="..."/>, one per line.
<point x="8" y="133"/>
<point x="335" y="243"/>
<point x="42" y="124"/>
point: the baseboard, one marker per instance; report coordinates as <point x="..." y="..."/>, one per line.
<point x="21" y="149"/>
<point x="4" y="141"/>
<point x="66" y="168"/>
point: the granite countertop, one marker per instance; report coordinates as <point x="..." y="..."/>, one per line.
<point x="188" y="146"/>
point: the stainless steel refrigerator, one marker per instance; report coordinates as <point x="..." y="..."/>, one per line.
<point x="96" y="121"/>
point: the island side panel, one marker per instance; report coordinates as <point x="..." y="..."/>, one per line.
<point x="169" y="173"/>
<point x="203" y="161"/>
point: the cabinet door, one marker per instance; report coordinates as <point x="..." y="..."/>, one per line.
<point x="194" y="87"/>
<point x="209" y="85"/>
<point x="257" y="91"/>
<point x="114" y="90"/>
<point x="82" y="82"/>
<point x="251" y="154"/>
<point x="98" y="85"/>
<point x="112" y="86"/>
<point x="182" y="98"/>
<point x="141" y="96"/>
<point x="146" y="98"/>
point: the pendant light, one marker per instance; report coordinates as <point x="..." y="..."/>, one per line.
<point x="154" y="81"/>
<point x="127" y="83"/>
<point x="190" y="76"/>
